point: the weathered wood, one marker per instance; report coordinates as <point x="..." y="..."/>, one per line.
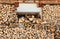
<point x="49" y="1"/>
<point x="7" y="15"/>
<point x="50" y="13"/>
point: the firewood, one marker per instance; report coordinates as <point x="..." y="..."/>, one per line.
<point x="38" y="20"/>
<point x="30" y="19"/>
<point x="0" y="18"/>
<point x="57" y="35"/>
<point x="25" y="33"/>
<point x="7" y="14"/>
<point x="21" y="19"/>
<point x="50" y="12"/>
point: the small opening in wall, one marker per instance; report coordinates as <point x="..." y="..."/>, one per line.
<point x="26" y="18"/>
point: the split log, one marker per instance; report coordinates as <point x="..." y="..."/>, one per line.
<point x="38" y="20"/>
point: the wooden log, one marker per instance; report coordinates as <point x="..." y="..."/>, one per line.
<point x="38" y="20"/>
<point x="21" y="19"/>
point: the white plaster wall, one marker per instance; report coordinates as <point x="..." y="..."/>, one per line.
<point x="28" y="8"/>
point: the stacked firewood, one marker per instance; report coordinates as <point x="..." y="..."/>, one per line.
<point x="30" y="26"/>
<point x="29" y="21"/>
<point x="24" y="33"/>
<point x="35" y="23"/>
<point x="8" y="15"/>
<point x="51" y="14"/>
<point x="57" y="34"/>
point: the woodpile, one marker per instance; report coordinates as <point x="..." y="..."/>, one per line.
<point x="21" y="33"/>
<point x="51" y="14"/>
<point x="8" y="15"/>
<point x="29" y="21"/>
<point x="48" y="29"/>
<point x="30" y="26"/>
<point x="57" y="34"/>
